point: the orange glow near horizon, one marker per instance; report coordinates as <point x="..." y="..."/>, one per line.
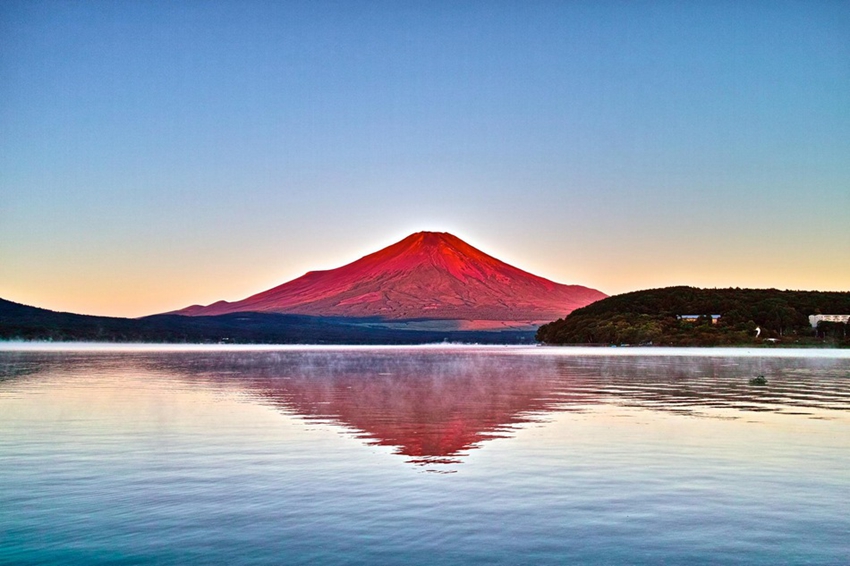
<point x="111" y="288"/>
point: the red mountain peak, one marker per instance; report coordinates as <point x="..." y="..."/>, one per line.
<point x="432" y="275"/>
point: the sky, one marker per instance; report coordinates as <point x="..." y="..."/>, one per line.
<point x="155" y="155"/>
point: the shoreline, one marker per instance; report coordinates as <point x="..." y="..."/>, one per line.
<point x="522" y="349"/>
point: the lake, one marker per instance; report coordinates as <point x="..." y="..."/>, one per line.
<point x="423" y="455"/>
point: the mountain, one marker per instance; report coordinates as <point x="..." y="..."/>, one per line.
<point x="426" y="277"/>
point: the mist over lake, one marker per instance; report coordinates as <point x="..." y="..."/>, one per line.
<point x="423" y="455"/>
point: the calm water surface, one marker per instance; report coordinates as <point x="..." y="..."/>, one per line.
<point x="434" y="455"/>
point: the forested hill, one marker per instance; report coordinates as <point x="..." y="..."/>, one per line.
<point x="652" y="316"/>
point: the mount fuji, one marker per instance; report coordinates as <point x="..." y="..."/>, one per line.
<point x="428" y="280"/>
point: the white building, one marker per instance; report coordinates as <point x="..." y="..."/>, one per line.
<point x="696" y="317"/>
<point x="814" y="319"/>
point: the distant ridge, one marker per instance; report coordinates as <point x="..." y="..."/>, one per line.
<point x="426" y="276"/>
<point x="22" y="322"/>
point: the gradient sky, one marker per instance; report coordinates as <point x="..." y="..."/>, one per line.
<point x="159" y="154"/>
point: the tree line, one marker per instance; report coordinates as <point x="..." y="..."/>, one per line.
<point x="747" y="316"/>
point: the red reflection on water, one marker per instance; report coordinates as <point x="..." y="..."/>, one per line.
<point x="434" y="407"/>
<point x="431" y="416"/>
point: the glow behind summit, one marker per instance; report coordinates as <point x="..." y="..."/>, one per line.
<point x="159" y="154"/>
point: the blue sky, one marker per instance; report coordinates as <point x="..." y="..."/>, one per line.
<point x="159" y="154"/>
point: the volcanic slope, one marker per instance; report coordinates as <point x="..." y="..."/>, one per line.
<point x="426" y="276"/>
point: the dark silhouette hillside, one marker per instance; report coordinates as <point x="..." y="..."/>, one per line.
<point x="654" y="316"/>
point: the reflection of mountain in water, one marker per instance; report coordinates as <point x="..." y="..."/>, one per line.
<point x="436" y="405"/>
<point x="433" y="408"/>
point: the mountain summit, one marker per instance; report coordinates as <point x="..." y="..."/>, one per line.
<point x="428" y="275"/>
